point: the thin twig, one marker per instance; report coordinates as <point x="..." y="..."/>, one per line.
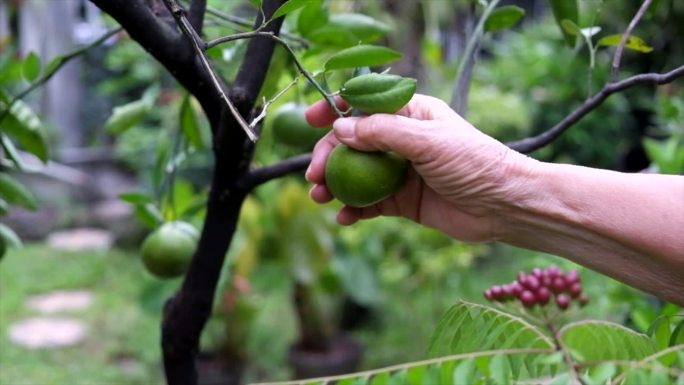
<point x="267" y="103"/>
<point x="63" y="61"/>
<point x="247" y="25"/>
<point x="248" y="35"/>
<point x="625" y="38"/>
<point x="459" y="99"/>
<point x="198" y="45"/>
<point x="535" y="142"/>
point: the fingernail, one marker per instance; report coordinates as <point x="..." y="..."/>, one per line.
<point x="306" y="174"/>
<point x="344" y="127"/>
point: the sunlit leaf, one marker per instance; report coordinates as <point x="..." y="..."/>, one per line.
<point x="565" y="10"/>
<point x="289" y="6"/>
<point x="362" y="55"/>
<point x="500" y="369"/>
<point x="11" y="238"/>
<point x="598" y="340"/>
<point x="149" y="215"/>
<point x="634" y="43"/>
<point x="314" y="15"/>
<point x="22" y="124"/>
<point x="503" y="17"/>
<point x="31" y="66"/>
<point x="135" y="197"/>
<point x="16" y="193"/>
<point x="127" y="115"/>
<point x="571" y="28"/>
<point x="189" y="125"/>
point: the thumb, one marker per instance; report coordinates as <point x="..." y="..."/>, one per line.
<point x="410" y="138"/>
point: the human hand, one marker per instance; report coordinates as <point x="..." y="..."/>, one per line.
<point x="460" y="180"/>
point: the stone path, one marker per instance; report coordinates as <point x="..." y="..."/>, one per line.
<point x="45" y="332"/>
<point x="81" y="239"/>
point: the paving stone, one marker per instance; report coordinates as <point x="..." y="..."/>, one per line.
<point x="61" y="301"/>
<point x="47" y="332"/>
<point x="81" y="239"/>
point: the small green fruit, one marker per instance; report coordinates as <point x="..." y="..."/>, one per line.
<point x="167" y="251"/>
<point x="361" y="179"/>
<point x="291" y="128"/>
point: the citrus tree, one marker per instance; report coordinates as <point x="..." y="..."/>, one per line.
<point x="332" y="53"/>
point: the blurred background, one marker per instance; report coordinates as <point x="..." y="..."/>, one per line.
<point x="77" y="306"/>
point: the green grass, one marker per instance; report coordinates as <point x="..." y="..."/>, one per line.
<point x="122" y="344"/>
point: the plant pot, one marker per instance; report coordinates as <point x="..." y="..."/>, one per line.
<point x="343" y="355"/>
<point x="214" y="369"/>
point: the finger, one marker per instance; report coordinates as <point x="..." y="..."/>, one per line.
<point x="424" y="107"/>
<point x="320" y="194"/>
<point x="320" y="114"/>
<point x="349" y="215"/>
<point x="316" y="171"/>
<point x="413" y="139"/>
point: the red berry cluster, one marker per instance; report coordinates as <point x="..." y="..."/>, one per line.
<point x="539" y="286"/>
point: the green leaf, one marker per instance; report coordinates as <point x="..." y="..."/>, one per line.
<point x="22" y="124"/>
<point x="464" y="372"/>
<point x="660" y="332"/>
<point x="11" y="238"/>
<point x="601" y="374"/>
<point x="565" y="10"/>
<point x="149" y="215"/>
<point x="496" y="330"/>
<point x="135" y="197"/>
<point x="31" y="66"/>
<point x="347" y="29"/>
<point x="11" y="152"/>
<point x="571" y="28"/>
<point x="599" y="340"/>
<point x="289" y="6"/>
<point x="500" y="369"/>
<point x="127" y="115"/>
<point x="314" y="15"/>
<point x="634" y="43"/>
<point x="16" y="193"/>
<point x="677" y="336"/>
<point x="189" y="124"/>
<point x="361" y="56"/>
<point x="503" y="17"/>
<point x="358" y="279"/>
<point x="256" y="3"/>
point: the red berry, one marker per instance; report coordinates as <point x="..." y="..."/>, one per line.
<point x="516" y="288"/>
<point x="543" y="295"/>
<point x="531" y="282"/>
<point x="521" y="277"/>
<point x="553" y="271"/>
<point x="488" y="294"/>
<point x="546" y="280"/>
<point x="496" y="292"/>
<point x="528" y="299"/>
<point x="558" y="285"/>
<point x="583" y="299"/>
<point x="575" y="290"/>
<point x="537" y="272"/>
<point x="572" y="277"/>
<point x="563" y="301"/>
<point x="507" y="292"/>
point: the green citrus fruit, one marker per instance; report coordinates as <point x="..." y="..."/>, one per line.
<point x="360" y="179"/>
<point x="167" y="251"/>
<point x="291" y="128"/>
<point x="378" y="93"/>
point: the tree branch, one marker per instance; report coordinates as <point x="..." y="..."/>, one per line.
<point x="188" y="310"/>
<point x="196" y="14"/>
<point x="169" y="47"/>
<point x="532" y="143"/>
<point x="264" y="174"/>
<point x="625" y="38"/>
<point x="198" y="46"/>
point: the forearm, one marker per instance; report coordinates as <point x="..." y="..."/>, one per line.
<point x="628" y="226"/>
